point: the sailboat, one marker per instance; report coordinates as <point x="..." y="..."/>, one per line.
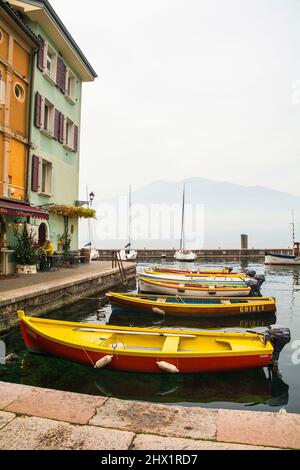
<point x="282" y="259"/>
<point x="183" y="254"/>
<point x="127" y="254"/>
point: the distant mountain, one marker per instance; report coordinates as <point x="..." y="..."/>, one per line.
<point x="228" y="211"/>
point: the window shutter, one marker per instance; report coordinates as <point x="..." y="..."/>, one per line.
<point x="35" y="174"/>
<point x="58" y="72"/>
<point x="61" y="75"/>
<point x="57" y="124"/>
<point x="41" y="54"/>
<point x="75" y="138"/>
<point x="61" y="128"/>
<point x="38" y="110"/>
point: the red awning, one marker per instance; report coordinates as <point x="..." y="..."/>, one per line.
<point x="20" y="209"/>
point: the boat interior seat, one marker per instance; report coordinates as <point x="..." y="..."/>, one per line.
<point x="161" y="300"/>
<point x="225" y="302"/>
<point x="171" y="344"/>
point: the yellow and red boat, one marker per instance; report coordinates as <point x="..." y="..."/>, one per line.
<point x="205" y="307"/>
<point x="152" y="350"/>
<point x="200" y="273"/>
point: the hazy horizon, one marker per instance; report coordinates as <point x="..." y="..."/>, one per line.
<point x="205" y="88"/>
<point x="217" y="213"/>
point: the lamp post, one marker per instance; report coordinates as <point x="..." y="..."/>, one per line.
<point x="92" y="197"/>
<point x="88" y="203"/>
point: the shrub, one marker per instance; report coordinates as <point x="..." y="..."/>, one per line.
<point x="27" y="250"/>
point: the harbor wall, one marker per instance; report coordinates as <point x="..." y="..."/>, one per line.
<point x="230" y="254"/>
<point x="39" y="300"/>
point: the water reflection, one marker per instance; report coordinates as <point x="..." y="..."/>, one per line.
<point x="120" y="317"/>
<point x="258" y="389"/>
<point x="251" y="387"/>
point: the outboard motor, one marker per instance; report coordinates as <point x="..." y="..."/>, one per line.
<point x="260" y="278"/>
<point x="250" y="272"/>
<point x="278" y="337"/>
<point x="255" y="287"/>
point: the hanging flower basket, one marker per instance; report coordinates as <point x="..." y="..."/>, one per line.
<point x="72" y="212"/>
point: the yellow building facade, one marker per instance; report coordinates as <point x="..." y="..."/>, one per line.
<point x="17" y="46"/>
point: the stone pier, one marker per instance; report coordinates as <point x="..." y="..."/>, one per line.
<point x="44" y="292"/>
<point x="40" y="419"/>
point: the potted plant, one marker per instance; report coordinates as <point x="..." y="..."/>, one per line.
<point x="27" y="252"/>
<point x="64" y="242"/>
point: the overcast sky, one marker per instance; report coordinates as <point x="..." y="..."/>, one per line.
<point x="206" y="88"/>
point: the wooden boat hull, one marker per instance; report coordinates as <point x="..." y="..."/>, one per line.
<point x="196" y="274"/>
<point x="224" y="280"/>
<point x="282" y="260"/>
<point x="209" y="308"/>
<point x="183" y="289"/>
<point x="252" y="354"/>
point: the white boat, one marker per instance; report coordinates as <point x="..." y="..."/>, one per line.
<point x="127" y="254"/>
<point x="150" y="286"/>
<point x="94" y="254"/>
<point x="277" y="259"/>
<point x="182" y="254"/>
<point x="185" y="255"/>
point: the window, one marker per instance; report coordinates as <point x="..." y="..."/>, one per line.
<point x="19" y="92"/>
<point x="46" y="177"/>
<point x="48" y="117"/>
<point x="51" y="63"/>
<point x="69" y="140"/>
<point x="71" y="86"/>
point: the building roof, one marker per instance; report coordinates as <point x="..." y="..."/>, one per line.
<point x="42" y="12"/>
<point x="18" y="20"/>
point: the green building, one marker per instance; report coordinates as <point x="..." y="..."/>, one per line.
<point x="60" y="68"/>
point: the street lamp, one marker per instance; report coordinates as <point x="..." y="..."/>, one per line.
<point x="92" y="197"/>
<point x="86" y="203"/>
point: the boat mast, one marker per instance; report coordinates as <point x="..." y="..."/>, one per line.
<point x="182" y="221"/>
<point x="293" y="227"/>
<point x="129" y="218"/>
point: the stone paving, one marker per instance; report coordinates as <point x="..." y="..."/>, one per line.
<point x="32" y="418"/>
<point x="27" y="283"/>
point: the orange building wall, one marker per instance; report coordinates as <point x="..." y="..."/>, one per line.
<point x="20" y="60"/>
<point x="18" y="108"/>
<point x="15" y="68"/>
<point x="4" y="45"/>
<point x="17" y="168"/>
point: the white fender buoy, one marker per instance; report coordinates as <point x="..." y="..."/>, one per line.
<point x="158" y="310"/>
<point x="103" y="362"/>
<point x="167" y="367"/>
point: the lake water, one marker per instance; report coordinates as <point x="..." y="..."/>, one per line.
<point x="255" y="389"/>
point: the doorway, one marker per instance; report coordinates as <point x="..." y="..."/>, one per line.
<point x="42" y="234"/>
